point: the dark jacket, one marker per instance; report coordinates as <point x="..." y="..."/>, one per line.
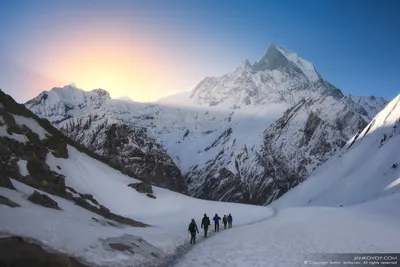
<point x="216" y="219"/>
<point x="193" y="227"/>
<point x="205" y="222"/>
<point x="230" y="219"/>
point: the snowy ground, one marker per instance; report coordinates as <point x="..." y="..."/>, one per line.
<point x="294" y="234"/>
<point x="73" y="231"/>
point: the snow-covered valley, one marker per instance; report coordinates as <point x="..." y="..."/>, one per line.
<point x="85" y="235"/>
<point x="348" y="205"/>
<point x="85" y="208"/>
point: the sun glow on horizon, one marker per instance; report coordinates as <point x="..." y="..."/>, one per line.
<point x="138" y="56"/>
<point x="120" y="64"/>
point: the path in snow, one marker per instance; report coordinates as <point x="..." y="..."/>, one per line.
<point x="172" y="260"/>
<point x="297" y="234"/>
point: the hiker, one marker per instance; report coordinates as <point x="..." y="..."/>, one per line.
<point x="230" y="220"/>
<point x="205" y="222"/>
<point x="193" y="229"/>
<point x="225" y="221"/>
<point x="216" y="222"/>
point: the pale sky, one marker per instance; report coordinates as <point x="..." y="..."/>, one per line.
<point x="150" y="49"/>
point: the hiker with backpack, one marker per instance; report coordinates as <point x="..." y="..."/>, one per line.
<point x="216" y="222"/>
<point x="193" y="229"/>
<point x="205" y="222"/>
<point x="225" y="221"/>
<point x="230" y="220"/>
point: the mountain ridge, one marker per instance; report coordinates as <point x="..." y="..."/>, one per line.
<point x="221" y="134"/>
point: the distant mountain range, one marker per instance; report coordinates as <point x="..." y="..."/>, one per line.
<point x="248" y="136"/>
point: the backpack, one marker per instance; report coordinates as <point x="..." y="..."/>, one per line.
<point x="192" y="227"/>
<point x="206" y="221"/>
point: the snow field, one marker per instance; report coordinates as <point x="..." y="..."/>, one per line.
<point x="289" y="238"/>
<point x="74" y="232"/>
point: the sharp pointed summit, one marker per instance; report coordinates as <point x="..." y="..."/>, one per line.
<point x="279" y="57"/>
<point x="273" y="59"/>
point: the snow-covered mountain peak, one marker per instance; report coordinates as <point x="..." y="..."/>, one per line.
<point x="58" y="101"/>
<point x="125" y="98"/>
<point x="371" y="104"/>
<point x="71" y="93"/>
<point x="273" y="59"/>
<point x="278" y="57"/>
<point x="306" y="67"/>
<point x="245" y="65"/>
<point x="280" y="77"/>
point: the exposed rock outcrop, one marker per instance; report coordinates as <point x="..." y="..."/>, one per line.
<point x="7" y="202"/>
<point x="4" y="179"/>
<point x="43" y="200"/>
<point x="151" y="196"/>
<point x="143" y="187"/>
<point x="17" y="252"/>
<point x="106" y="213"/>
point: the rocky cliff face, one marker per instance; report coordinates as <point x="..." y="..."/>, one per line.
<point x="304" y="137"/>
<point x="129" y="147"/>
<point x="86" y="117"/>
<point x="247" y="136"/>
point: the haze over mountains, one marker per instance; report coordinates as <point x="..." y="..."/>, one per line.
<point x="248" y="136"/>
